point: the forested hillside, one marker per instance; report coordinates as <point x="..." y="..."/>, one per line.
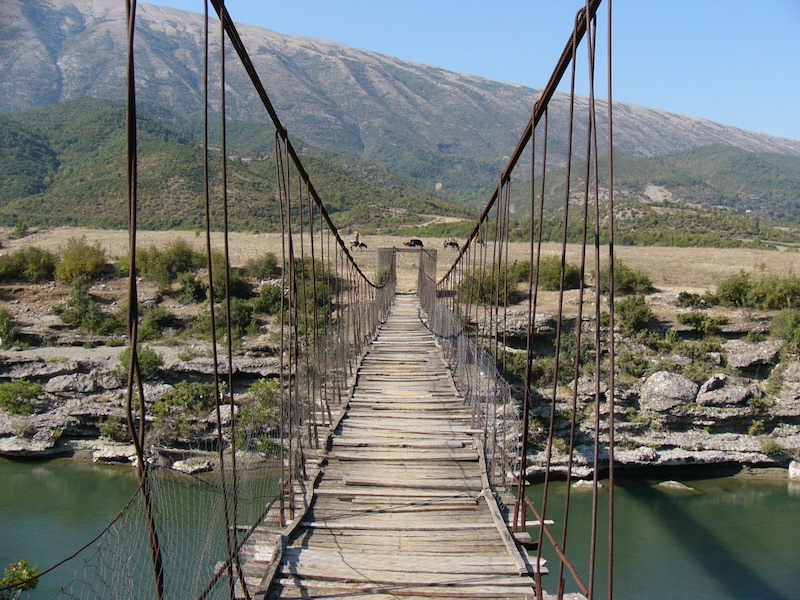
<point x="65" y="165"/>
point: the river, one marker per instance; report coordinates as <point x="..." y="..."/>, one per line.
<point x="732" y="538"/>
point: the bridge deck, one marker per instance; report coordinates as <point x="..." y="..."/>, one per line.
<point x="402" y="507"/>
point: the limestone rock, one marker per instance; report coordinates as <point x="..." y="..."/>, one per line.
<point x="585" y="484"/>
<point x="722" y="390"/>
<point x="15" y="367"/>
<point x="114" y="453"/>
<point x="676" y="485"/>
<point x="192" y="465"/>
<point x="664" y="390"/>
<point x="747" y="355"/>
<point x="224" y="414"/>
<point x="82" y="383"/>
<point x="790" y="390"/>
<point x="514" y="323"/>
<point x="794" y="470"/>
<point x="41" y="444"/>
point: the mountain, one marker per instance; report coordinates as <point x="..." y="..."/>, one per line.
<point x="65" y="165"/>
<point x="444" y="131"/>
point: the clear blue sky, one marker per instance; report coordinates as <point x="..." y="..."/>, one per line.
<point x="732" y="61"/>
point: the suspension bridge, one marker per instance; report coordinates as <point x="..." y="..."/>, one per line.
<point x="394" y="462"/>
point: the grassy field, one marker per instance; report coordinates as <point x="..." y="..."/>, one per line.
<point x="696" y="269"/>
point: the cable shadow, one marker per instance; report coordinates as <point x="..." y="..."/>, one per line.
<point x="739" y="580"/>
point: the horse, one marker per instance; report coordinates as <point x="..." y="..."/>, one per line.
<point x="356" y="245"/>
<point x="413" y="243"/>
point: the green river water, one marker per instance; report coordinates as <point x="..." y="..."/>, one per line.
<point x="734" y="538"/>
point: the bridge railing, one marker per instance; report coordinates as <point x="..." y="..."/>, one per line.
<point x="487" y="311"/>
<point x="495" y="412"/>
<point x="193" y="535"/>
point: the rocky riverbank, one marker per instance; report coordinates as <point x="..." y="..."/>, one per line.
<point x="665" y="419"/>
<point x="85" y="387"/>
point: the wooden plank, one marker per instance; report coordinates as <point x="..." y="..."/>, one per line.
<point x="422" y="484"/>
<point x="334" y="525"/>
<point x="400" y="506"/>
<point x="428" y="591"/>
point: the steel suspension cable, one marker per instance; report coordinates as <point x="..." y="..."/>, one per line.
<point x="611" y="309"/>
<point x="134" y="371"/>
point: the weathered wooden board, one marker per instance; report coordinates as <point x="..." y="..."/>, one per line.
<point x="401" y="508"/>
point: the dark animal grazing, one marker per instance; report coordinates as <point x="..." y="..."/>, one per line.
<point x="358" y="245"/>
<point x="413" y="243"/>
<point x="451" y="243"/>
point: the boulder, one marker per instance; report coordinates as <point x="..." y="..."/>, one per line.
<point x="27" y="367"/>
<point x="664" y="390"/>
<point x="224" y="414"/>
<point x="747" y="355"/>
<point x="115" y="453"/>
<point x="676" y="485"/>
<point x="586" y="387"/>
<point x="41" y="444"/>
<point x="790" y="390"/>
<point x="722" y="390"/>
<point x="192" y="465"/>
<point x="794" y="470"/>
<point x="82" y="383"/>
<point x="514" y="323"/>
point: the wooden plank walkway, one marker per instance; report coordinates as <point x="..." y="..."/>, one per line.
<point x="402" y="507"/>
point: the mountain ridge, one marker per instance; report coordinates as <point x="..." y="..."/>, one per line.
<point x="329" y="94"/>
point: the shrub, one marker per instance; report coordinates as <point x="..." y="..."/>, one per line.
<point x="80" y="259"/>
<point x="149" y="361"/>
<point x="187" y="398"/>
<point x="269" y="299"/>
<point x="702" y="322"/>
<point x="264" y="267"/>
<point x="242" y="321"/>
<point x="633" y="313"/>
<point x="16" y="397"/>
<point x="631" y="365"/>
<point x="84" y="312"/>
<point x="550" y="274"/>
<point x="165" y="266"/>
<point x="692" y="300"/>
<point x="154" y="320"/>
<point x="14" y="575"/>
<point x="382" y="276"/>
<point x="786" y="325"/>
<point x="756" y="428"/>
<point x="626" y="280"/>
<point x="770" y="446"/>
<point x="8" y="332"/>
<point x="487" y="288"/>
<point x="239" y="286"/>
<point x="20" y="229"/>
<point x="191" y="289"/>
<point x="31" y="264"/>
<point x="178" y="413"/>
<point x="114" y="428"/>
<point x="768" y="292"/>
<point x="779" y="292"/>
<point x="737" y="290"/>
<point x="258" y="417"/>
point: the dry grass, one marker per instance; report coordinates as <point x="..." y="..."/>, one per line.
<point x="671" y="269"/>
